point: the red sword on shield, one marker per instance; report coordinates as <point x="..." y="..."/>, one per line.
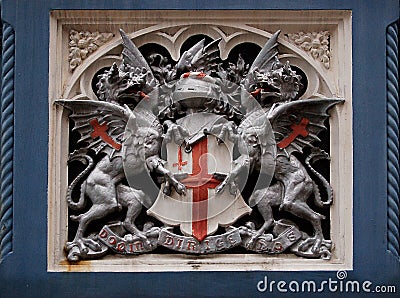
<point x="200" y="181"/>
<point x="180" y="163"/>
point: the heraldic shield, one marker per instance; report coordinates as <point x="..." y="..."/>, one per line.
<point x="200" y="165"/>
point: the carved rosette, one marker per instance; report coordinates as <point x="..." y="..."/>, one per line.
<point x="316" y="44"/>
<point x="82" y="44"/>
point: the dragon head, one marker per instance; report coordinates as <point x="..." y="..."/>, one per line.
<point x="124" y="84"/>
<point x="280" y="82"/>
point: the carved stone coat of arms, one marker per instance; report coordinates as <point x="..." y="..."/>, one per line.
<point x="198" y="157"/>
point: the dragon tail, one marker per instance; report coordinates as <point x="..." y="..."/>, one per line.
<point x="317" y="154"/>
<point x="88" y="161"/>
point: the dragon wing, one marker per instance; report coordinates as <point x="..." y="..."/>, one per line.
<point x="297" y="124"/>
<point x="199" y="57"/>
<point x="132" y="55"/>
<point x="101" y="125"/>
<point x="186" y="58"/>
<point x="263" y="60"/>
<point x="206" y="58"/>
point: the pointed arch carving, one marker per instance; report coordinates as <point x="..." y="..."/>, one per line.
<point x="321" y="84"/>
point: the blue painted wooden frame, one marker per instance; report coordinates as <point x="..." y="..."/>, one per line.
<point x="376" y="159"/>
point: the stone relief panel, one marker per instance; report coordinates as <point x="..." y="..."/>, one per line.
<point x="197" y="139"/>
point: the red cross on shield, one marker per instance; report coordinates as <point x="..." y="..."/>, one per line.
<point x="200" y="181"/>
<point x="201" y="211"/>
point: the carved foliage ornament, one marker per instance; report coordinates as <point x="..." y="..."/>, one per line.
<point x="198" y="157"/>
<point x="82" y="44"/>
<point x="314" y="43"/>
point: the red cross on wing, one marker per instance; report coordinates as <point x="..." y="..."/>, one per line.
<point x="297" y="124"/>
<point x="101" y="125"/>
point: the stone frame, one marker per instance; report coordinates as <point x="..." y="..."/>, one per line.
<point x="255" y="26"/>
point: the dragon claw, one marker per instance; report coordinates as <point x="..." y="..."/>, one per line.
<point x="252" y="241"/>
<point x="220" y="138"/>
<point x="84" y="244"/>
<point x="175" y="132"/>
<point x="316" y="244"/>
<point x="75" y="217"/>
<point x="80" y="248"/>
<point x="314" y="247"/>
<point x="180" y="188"/>
<point x="220" y="188"/>
<point x="233" y="188"/>
<point x="167" y="190"/>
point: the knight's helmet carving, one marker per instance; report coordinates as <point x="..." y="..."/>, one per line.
<point x="193" y="89"/>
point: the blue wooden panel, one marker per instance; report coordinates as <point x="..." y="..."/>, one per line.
<point x="23" y="273"/>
